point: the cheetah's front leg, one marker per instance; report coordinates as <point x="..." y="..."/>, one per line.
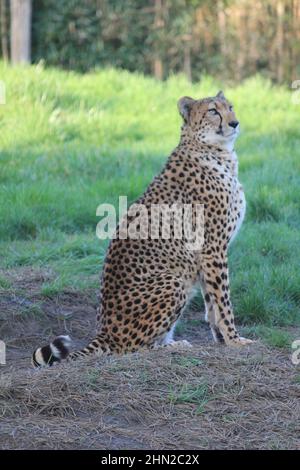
<point x="215" y="288"/>
<point x="210" y="313"/>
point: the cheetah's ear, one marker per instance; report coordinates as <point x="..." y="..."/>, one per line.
<point x="184" y="106"/>
<point x="221" y="95"/>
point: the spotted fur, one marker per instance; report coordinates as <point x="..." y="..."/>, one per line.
<point x="146" y="283"/>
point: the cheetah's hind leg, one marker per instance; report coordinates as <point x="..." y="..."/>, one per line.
<point x="169" y="342"/>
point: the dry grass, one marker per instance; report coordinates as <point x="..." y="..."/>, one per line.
<point x="210" y="397"/>
<point x="248" y="399"/>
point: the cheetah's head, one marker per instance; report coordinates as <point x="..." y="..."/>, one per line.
<point x="210" y="120"/>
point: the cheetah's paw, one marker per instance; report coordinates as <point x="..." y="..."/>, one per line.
<point x="182" y="344"/>
<point x="240" y="341"/>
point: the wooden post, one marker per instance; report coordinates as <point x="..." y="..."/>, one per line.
<point x="20" y="31"/>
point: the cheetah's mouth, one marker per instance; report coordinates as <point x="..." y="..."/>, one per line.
<point x="233" y="133"/>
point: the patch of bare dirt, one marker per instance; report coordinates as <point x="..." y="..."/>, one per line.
<point x="209" y="397"/>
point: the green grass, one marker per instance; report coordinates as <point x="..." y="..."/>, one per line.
<point x="272" y="336"/>
<point x="70" y="142"/>
<point x="4" y="283"/>
<point x="192" y="394"/>
<point x="187" y="361"/>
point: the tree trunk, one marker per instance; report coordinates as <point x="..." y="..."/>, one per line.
<point x="4" y="37"/>
<point x="187" y="65"/>
<point x="158" y="23"/>
<point x="20" y="31"/>
<point x="280" y="40"/>
<point x="294" y="39"/>
<point x="253" y="55"/>
<point x="222" y="32"/>
<point x="240" y="69"/>
<point x="158" y="68"/>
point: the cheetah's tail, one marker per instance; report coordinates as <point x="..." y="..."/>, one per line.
<point x="60" y="349"/>
<point x="54" y="352"/>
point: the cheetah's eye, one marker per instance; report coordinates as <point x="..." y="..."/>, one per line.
<point x="230" y="107"/>
<point x="213" y="111"/>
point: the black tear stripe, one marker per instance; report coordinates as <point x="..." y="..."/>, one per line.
<point x="59" y="344"/>
<point x="221" y="119"/>
<point x="220" y="131"/>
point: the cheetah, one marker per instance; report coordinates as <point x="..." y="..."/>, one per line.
<point x="146" y="282"/>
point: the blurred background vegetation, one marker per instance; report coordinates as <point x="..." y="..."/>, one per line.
<point x="228" y="39"/>
<point x="77" y="131"/>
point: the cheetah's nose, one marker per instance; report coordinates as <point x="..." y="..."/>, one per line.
<point x="233" y="124"/>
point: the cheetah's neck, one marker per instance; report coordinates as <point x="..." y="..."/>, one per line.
<point x="210" y="155"/>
